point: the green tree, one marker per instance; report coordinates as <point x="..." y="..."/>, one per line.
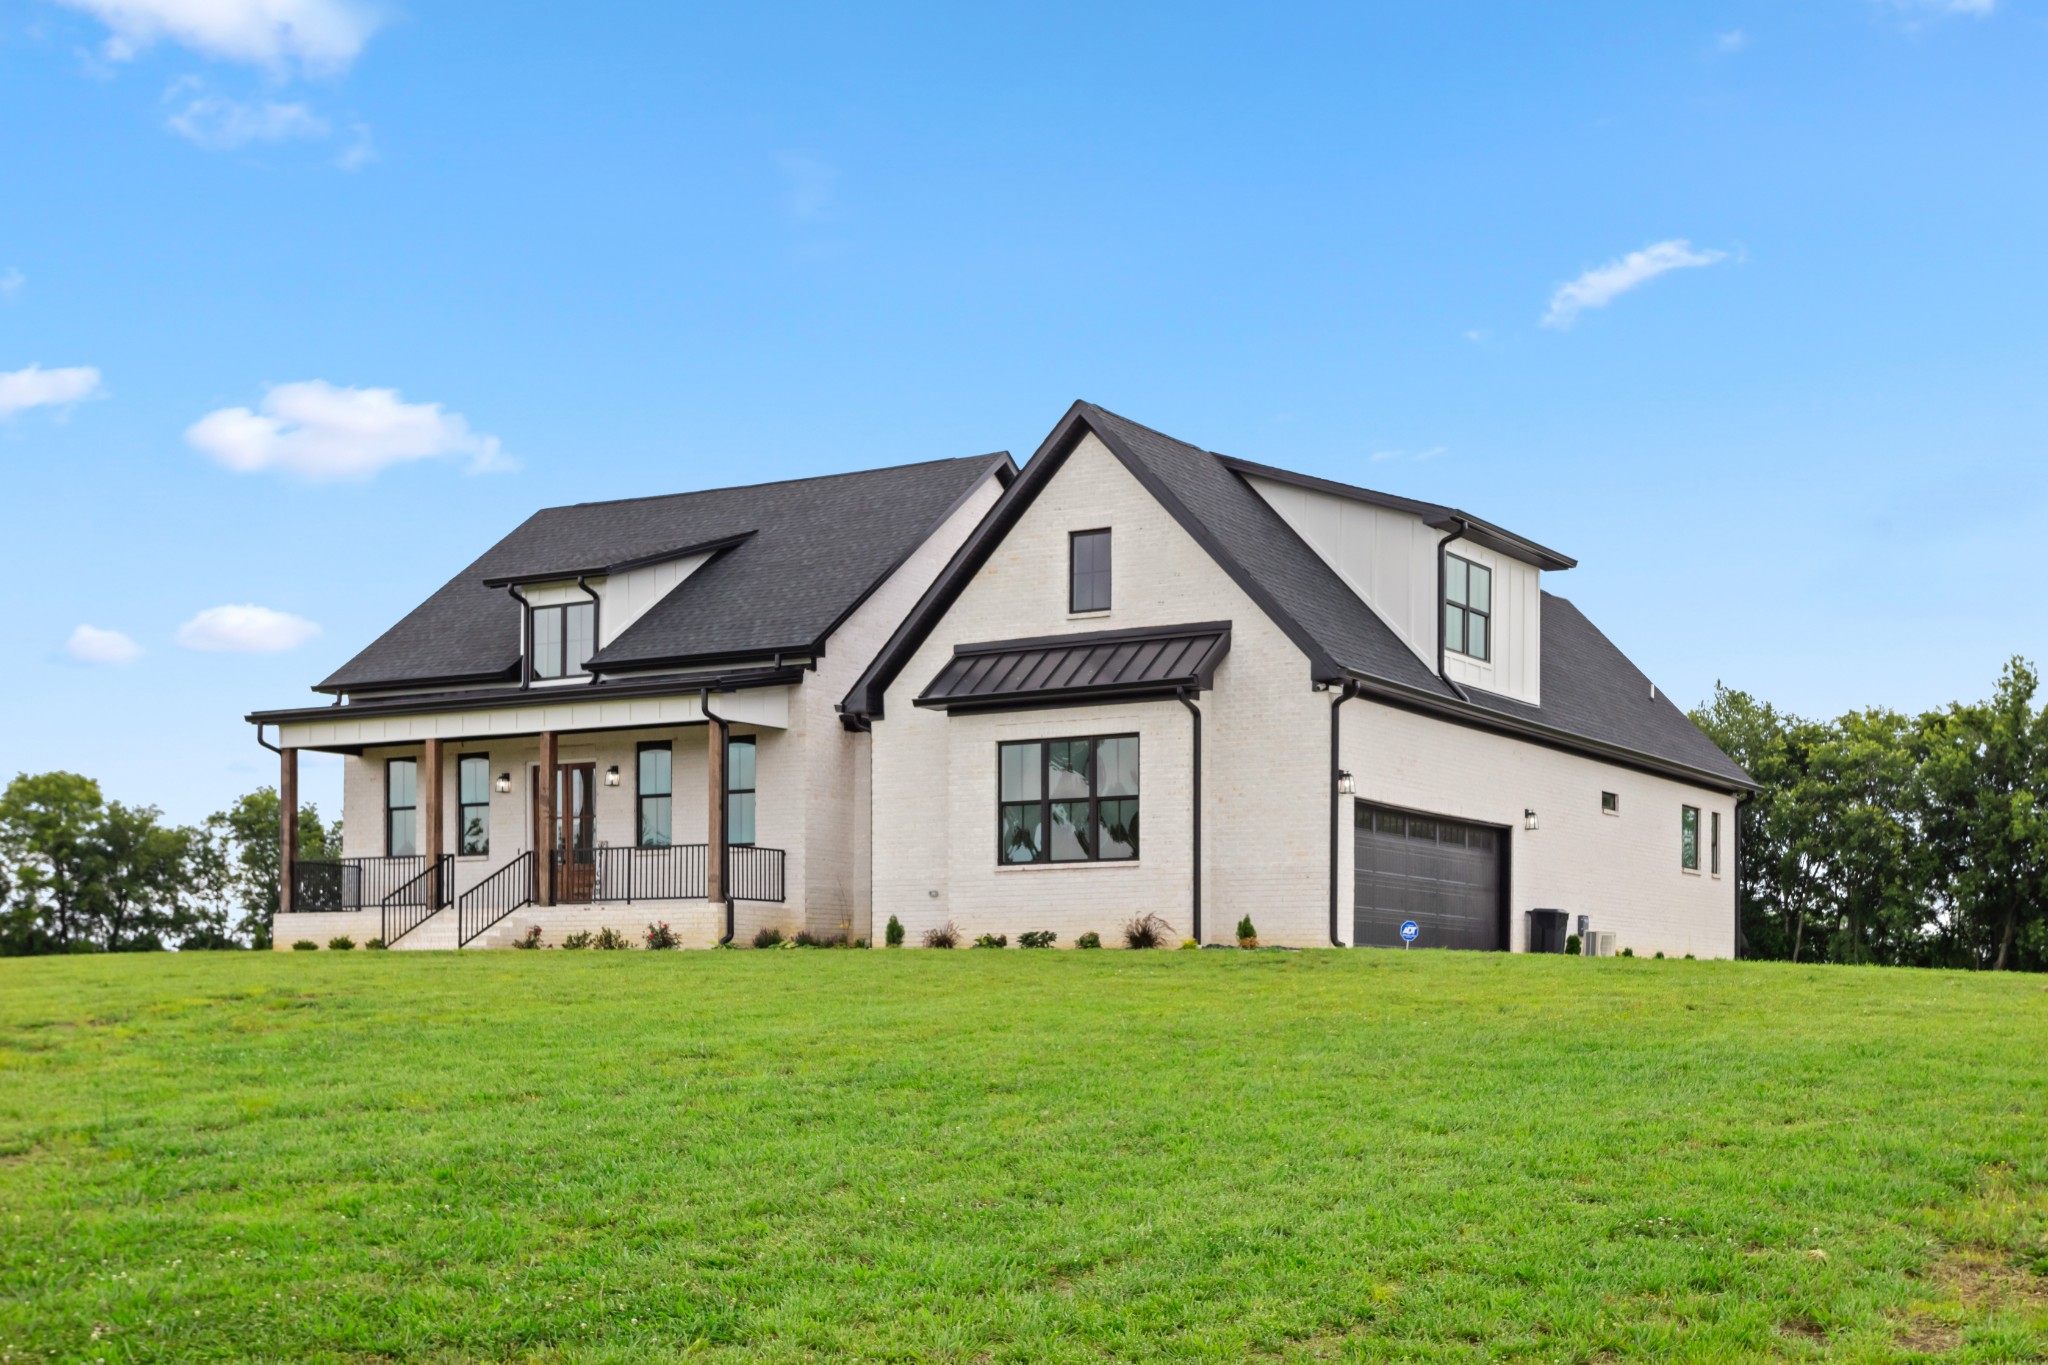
<point x="240" y="864"/>
<point x="136" y="878"/>
<point x="46" y="822"/>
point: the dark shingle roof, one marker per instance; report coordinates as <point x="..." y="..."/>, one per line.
<point x="1094" y="663"/>
<point x="1593" y="698"/>
<point x="797" y="556"/>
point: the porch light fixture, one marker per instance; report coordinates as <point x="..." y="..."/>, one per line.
<point x="1345" y="786"/>
<point x="1528" y="819"/>
<point x="504" y="783"/>
<point x="611" y="776"/>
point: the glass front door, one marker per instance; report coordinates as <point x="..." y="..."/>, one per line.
<point x="575" y="841"/>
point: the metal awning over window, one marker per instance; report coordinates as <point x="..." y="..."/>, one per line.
<point x="1103" y="665"/>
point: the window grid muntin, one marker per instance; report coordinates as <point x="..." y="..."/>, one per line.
<point x="1031" y="810"/>
<point x="1461" y="613"/>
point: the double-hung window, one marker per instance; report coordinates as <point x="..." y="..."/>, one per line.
<point x="1468" y="608"/>
<point x="656" y="786"/>
<point x="563" y="637"/>
<point x="1088" y="571"/>
<point x="401" y="807"/>
<point x="1689" y="838"/>
<point x="739" y="790"/>
<point x="1067" y="800"/>
<point x="473" y="803"/>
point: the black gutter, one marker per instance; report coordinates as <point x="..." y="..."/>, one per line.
<point x="1344" y="694"/>
<point x="1195" y="759"/>
<point x="491" y="701"/>
<point x="1442" y="585"/>
<point x="724" y="848"/>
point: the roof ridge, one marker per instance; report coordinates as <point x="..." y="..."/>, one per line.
<point x="776" y="483"/>
<point x="1162" y="435"/>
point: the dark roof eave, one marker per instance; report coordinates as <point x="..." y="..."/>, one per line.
<point x="510" y="672"/>
<point x="701" y="547"/>
<point x="668" y="685"/>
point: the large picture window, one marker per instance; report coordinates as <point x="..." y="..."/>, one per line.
<point x="739" y="790"/>
<point x="656" y="787"/>
<point x="1468" y="608"/>
<point x="563" y="637"/>
<point x="1088" y="571"/>
<point x="473" y="803"/>
<point x="1689" y="838"/>
<point x="1067" y="800"/>
<point x="401" y="807"/>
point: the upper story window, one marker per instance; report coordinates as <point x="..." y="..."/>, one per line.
<point x="1468" y="608"/>
<point x="563" y="637"/>
<point x="1088" y="571"/>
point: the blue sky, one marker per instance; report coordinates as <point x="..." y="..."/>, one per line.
<point x="1741" y="304"/>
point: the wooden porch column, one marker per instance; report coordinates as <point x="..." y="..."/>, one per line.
<point x="430" y="816"/>
<point x="544" y="816"/>
<point x="287" y="825"/>
<point x="714" y="845"/>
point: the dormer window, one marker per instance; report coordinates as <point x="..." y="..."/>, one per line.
<point x="563" y="637"/>
<point x="1468" y="608"/>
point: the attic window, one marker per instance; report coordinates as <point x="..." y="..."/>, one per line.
<point x="1468" y="608"/>
<point x="1088" y="571"/>
<point x="563" y="638"/>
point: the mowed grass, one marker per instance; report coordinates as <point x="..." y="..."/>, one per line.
<point x="1017" y="1157"/>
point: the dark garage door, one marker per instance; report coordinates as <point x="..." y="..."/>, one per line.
<point x="1445" y="875"/>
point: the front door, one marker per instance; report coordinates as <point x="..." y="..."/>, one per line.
<point x="575" y="828"/>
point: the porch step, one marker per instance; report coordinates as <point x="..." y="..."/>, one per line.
<point x="436" y="933"/>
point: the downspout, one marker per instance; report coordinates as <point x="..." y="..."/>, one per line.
<point x="1195" y="759"/>
<point x="525" y="636"/>
<point x="1344" y="694"/>
<point x="266" y="743"/>
<point x="596" y="617"/>
<point x="1741" y="800"/>
<point x="724" y="882"/>
<point x="1442" y="584"/>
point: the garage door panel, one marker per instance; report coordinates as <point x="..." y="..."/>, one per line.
<point x="1445" y="875"/>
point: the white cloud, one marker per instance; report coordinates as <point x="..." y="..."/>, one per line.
<point x="91" y="645"/>
<point x="245" y="629"/>
<point x="360" y="152"/>
<point x="1734" y="40"/>
<point x="1604" y="284"/>
<point x="36" y="387"/>
<point x="319" y="431"/>
<point x="11" y="281"/>
<point x="220" y="124"/>
<point x="315" y="35"/>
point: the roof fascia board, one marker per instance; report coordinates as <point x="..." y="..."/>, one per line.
<point x="509" y="673"/>
<point x="398" y="706"/>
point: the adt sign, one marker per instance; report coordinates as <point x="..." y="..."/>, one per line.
<point x="1408" y="932"/>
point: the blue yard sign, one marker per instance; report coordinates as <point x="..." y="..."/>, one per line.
<point x="1408" y="932"/>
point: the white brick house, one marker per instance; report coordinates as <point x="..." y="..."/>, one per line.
<point x="1160" y="680"/>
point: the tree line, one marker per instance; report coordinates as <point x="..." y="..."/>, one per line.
<point x="1887" y="838"/>
<point x="82" y="874"/>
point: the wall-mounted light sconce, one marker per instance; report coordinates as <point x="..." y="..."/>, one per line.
<point x="1345" y="786"/>
<point x="1528" y="819"/>
<point x="611" y="776"/>
<point x="504" y="783"/>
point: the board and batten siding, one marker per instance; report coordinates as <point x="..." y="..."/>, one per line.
<point x="623" y="598"/>
<point x="1389" y="558"/>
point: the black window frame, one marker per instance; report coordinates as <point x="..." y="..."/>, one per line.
<point x="1046" y="801"/>
<point x="732" y="742"/>
<point x="414" y="809"/>
<point x="1466" y="613"/>
<point x="641" y="796"/>
<point x="564" y="669"/>
<point x="1103" y="574"/>
<point x="1714" y="843"/>
<point x="463" y="808"/>
<point x="1689" y="850"/>
<point x="1610" y="803"/>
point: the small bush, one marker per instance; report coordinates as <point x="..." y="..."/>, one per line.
<point x="770" y="937"/>
<point x="1571" y="945"/>
<point x="1628" y="952"/>
<point x="659" y="935"/>
<point x="611" y="940"/>
<point x="1147" y="931"/>
<point x="893" y="935"/>
<point x="530" y="940"/>
<point x="1688" y="957"/>
<point x="945" y="936"/>
<point x="1037" y="938"/>
<point x="806" y="939"/>
<point x="1246" y="931"/>
<point x="305" y="945"/>
<point x="1091" y="939"/>
<point x="992" y="941"/>
<point x="379" y="943"/>
<point x="579" y="939"/>
<point x="341" y="943"/>
<point x="1660" y="954"/>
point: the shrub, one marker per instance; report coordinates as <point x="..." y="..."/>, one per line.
<point x="659" y="935"/>
<point x="379" y="943"/>
<point x="1091" y="939"/>
<point x="770" y="937"/>
<point x="893" y="935"/>
<point x="579" y="939"/>
<point x="341" y="943"/>
<point x="992" y="941"/>
<point x="1147" y="931"/>
<point x="1628" y="952"/>
<point x="1037" y="938"/>
<point x="1688" y="957"/>
<point x="945" y="936"/>
<point x="806" y="939"/>
<point x="1660" y="954"/>
<point x="1246" y="931"/>
<point x="611" y="940"/>
<point x="305" y="945"/>
<point x="1571" y="945"/>
<point x="529" y="940"/>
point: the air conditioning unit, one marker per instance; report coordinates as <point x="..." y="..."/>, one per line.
<point x="1599" y="943"/>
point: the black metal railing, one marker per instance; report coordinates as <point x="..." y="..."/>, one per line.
<point x="408" y="906"/>
<point x="673" y="873"/>
<point x="329" y="884"/>
<point x="493" y="898"/>
<point x="753" y="873"/>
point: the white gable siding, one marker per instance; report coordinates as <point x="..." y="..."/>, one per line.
<point x="1516" y="668"/>
<point x="625" y="597"/>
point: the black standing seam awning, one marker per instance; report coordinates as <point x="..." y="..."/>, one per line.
<point x="1101" y="665"/>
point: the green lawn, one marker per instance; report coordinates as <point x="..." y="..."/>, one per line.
<point x="1017" y="1156"/>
